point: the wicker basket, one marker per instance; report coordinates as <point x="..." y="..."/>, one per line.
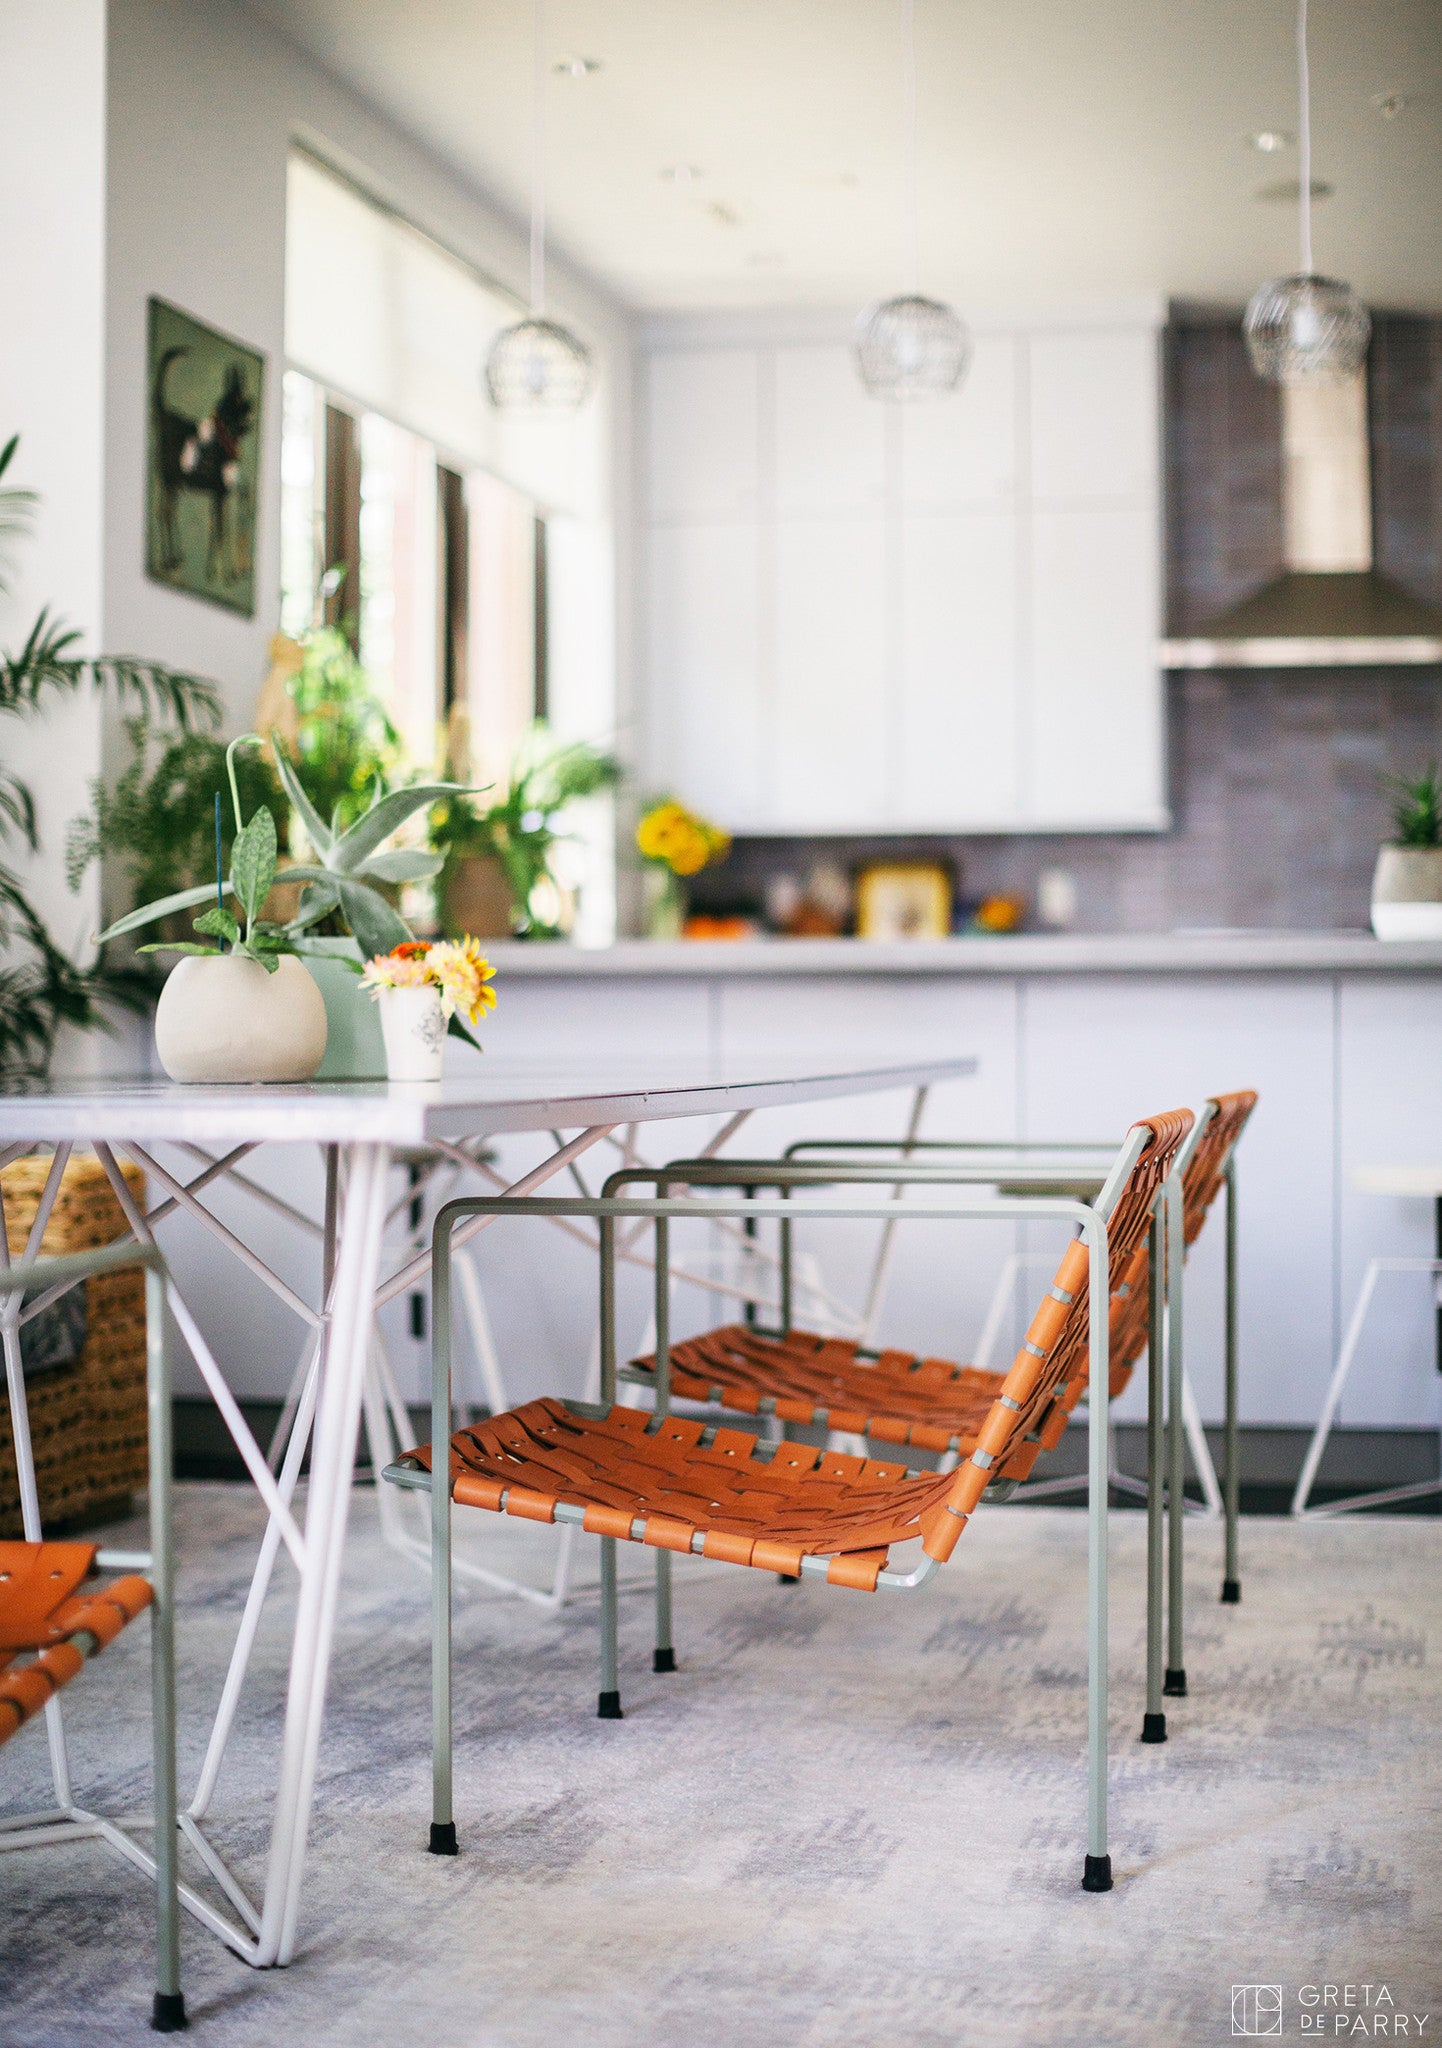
<point x="87" y="1420"/>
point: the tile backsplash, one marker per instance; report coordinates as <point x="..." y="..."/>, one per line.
<point x="1278" y="804"/>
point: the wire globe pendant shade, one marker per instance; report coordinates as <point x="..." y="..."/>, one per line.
<point x="1299" y="328"/>
<point x="538" y="366"/>
<point x="1302" y="328"/>
<point x="912" y="347"/>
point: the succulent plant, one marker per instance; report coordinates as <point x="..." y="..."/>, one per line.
<point x="347" y="865"/>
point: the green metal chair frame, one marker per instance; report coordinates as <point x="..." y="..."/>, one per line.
<point x="67" y="1822"/>
<point x="969" y="1483"/>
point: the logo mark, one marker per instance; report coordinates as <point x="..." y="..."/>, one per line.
<point x="1256" y="2010"/>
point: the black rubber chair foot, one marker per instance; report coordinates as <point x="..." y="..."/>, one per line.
<point x="1097" y="1877"/>
<point x="443" y="1839"/>
<point x="1231" y="1592"/>
<point x="1154" y="1727"/>
<point x="167" y="2015"/>
<point x="1174" y="1685"/>
<point x="788" y="1578"/>
<point x="608" y="1707"/>
<point x="663" y="1660"/>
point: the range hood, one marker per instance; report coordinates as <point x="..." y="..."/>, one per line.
<point x="1330" y="608"/>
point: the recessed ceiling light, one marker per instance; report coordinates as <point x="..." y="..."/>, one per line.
<point x="1390" y="104"/>
<point x="1289" y="190"/>
<point x="1267" y="141"/>
<point x="681" y="174"/>
<point x="576" y="67"/>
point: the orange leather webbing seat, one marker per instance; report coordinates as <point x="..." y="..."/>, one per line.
<point x="927" y="1403"/>
<point x="687" y="1485"/>
<point x="50" y="1624"/>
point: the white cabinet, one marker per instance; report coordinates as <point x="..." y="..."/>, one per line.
<point x="830" y="436"/>
<point x="826" y="736"/>
<point x="1093" y="414"/>
<point x="964" y="451"/>
<point x="1093" y="740"/>
<point x="950" y="609"/>
<point x="960" y="668"/>
<point x="704" y="703"/>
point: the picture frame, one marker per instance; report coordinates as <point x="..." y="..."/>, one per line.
<point x="904" y="900"/>
<point x="204" y="398"/>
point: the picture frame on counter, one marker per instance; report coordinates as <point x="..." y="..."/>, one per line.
<point x="904" y="900"/>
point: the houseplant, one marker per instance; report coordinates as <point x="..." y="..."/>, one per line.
<point x="156" y="824"/>
<point x="41" y="987"/>
<point x="342" y="878"/>
<point x="675" y="844"/>
<point x="499" y="861"/>
<point x="1407" y="881"/>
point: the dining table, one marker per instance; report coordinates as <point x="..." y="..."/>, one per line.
<point x="205" y="1132"/>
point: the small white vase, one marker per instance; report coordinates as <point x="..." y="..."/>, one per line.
<point x="1407" y="893"/>
<point x="415" y="1033"/>
<point x="221" y="1017"/>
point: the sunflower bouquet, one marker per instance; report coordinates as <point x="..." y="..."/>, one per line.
<point x="675" y="844"/>
<point x="670" y="836"/>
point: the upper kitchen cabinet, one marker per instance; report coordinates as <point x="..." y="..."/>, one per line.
<point x="954" y="606"/>
<point x="963" y="452"/>
<point x="830" y="438"/>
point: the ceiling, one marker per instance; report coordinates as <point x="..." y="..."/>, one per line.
<point x="1068" y="148"/>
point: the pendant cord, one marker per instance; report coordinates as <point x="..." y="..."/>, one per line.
<point x="538" y="160"/>
<point x="908" y="120"/>
<point x="1304" y="138"/>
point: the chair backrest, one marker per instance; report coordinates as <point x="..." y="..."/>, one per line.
<point x="1224" y="1118"/>
<point x="1054" y="1350"/>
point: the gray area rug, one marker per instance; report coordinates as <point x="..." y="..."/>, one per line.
<point x="846" y="1820"/>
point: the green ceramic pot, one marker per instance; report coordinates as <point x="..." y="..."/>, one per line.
<point x="354" y="1047"/>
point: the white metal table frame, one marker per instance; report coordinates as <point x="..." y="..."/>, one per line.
<point x="358" y="1124"/>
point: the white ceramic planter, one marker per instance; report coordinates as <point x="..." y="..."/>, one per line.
<point x="1407" y="893"/>
<point x="415" y="1033"/>
<point x="221" y="1017"/>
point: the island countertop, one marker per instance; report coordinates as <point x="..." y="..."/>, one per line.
<point x="1150" y="953"/>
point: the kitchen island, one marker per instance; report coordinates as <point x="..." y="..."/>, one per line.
<point x="1074" y="1036"/>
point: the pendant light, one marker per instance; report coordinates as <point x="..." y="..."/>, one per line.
<point x="538" y="366"/>
<point x="911" y="347"/>
<point x="1306" y="327"/>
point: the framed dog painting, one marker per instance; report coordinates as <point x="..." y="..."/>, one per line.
<point x="203" y="468"/>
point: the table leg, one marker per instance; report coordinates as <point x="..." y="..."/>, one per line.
<point x="333" y="1459"/>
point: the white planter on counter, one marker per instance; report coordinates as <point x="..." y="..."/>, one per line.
<point x="221" y="1017"/>
<point x="415" y="1033"/>
<point x="1407" y="893"/>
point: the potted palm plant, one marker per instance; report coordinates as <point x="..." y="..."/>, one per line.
<point x="1407" y="881"/>
<point x="41" y="986"/>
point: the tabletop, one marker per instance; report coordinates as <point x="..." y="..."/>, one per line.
<point x="501" y="1095"/>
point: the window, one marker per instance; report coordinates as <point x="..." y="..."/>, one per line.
<point x="444" y="587"/>
<point x="479" y="551"/>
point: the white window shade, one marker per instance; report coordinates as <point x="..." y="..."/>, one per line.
<point x="382" y="315"/>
